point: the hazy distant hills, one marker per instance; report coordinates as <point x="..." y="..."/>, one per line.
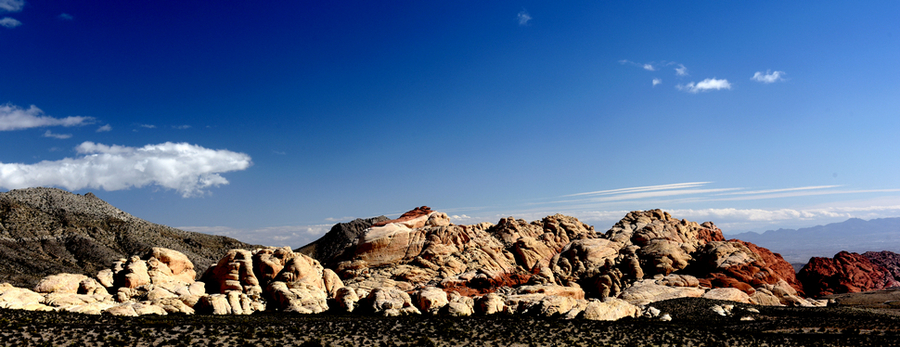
<point x="852" y="235"/>
<point x="46" y="231"/>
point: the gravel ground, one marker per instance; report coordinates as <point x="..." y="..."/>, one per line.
<point x="693" y="324"/>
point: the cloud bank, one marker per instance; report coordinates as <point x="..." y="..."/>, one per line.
<point x="13" y="117"/>
<point x="186" y="168"/>
<point x="705" y="85"/>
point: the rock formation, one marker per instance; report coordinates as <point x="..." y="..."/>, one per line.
<point x="890" y="261"/>
<point x="844" y="273"/>
<point x="421" y="263"/>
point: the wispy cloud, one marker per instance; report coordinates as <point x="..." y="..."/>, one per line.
<point x="656" y="81"/>
<point x="13" y="117"/>
<point x="705" y="85"/>
<point x="186" y="168"/>
<point x="104" y="128"/>
<point x="781" y="190"/>
<point x="181" y="127"/>
<point x="680" y="70"/>
<point x="48" y="133"/>
<point x="524" y="18"/>
<point x="148" y="126"/>
<point x="645" y="66"/>
<point x="65" y="16"/>
<point x="641" y="189"/>
<point x="768" y="77"/>
<point x="9" y="22"/>
<point x="11" y="5"/>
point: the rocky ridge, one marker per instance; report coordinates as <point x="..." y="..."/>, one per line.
<point x="421" y="263"/>
<point x="45" y="231"/>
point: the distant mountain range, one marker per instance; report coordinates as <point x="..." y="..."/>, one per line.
<point x="852" y="235"/>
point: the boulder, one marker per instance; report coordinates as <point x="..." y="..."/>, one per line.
<point x="60" y="283"/>
<point x="431" y="300"/>
<point x="216" y="304"/>
<point x="460" y="306"/>
<point x="390" y="302"/>
<point x="647" y="291"/>
<point x="490" y="303"/>
<point x="610" y="309"/>
<point x="299" y="297"/>
<point x="346" y="299"/>
<point x="234" y="272"/>
<point x="133" y="274"/>
<point x="21" y="299"/>
<point x="179" y="266"/>
<point x="727" y="294"/>
<point x="134" y="309"/>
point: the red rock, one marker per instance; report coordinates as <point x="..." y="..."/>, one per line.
<point x="408" y="215"/>
<point x="889" y="260"/>
<point x="845" y="273"/>
<point x="774" y="261"/>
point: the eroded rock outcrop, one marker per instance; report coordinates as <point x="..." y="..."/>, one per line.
<point x="273" y="278"/>
<point x="423" y="263"/>
<point x="844" y="273"/>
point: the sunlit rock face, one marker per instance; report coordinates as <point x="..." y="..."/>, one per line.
<point x="423" y="248"/>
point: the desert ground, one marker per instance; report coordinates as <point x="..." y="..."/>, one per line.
<point x="693" y="324"/>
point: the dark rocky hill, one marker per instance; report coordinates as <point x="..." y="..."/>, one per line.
<point x="46" y="231"/>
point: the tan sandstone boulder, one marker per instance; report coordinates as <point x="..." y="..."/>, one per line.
<point x="610" y="309"/>
<point x="60" y="283"/>
<point x="431" y="300"/>
<point x="390" y="302"/>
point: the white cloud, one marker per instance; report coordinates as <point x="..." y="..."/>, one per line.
<point x="9" y="22"/>
<point x="656" y="81"/>
<point x="681" y="70"/>
<point x="649" y="67"/>
<point x="13" y="117"/>
<point x="11" y="5"/>
<point x="148" y="126"/>
<point x="524" y="17"/>
<point x="181" y="127"/>
<point x="65" y="16"/>
<point x="768" y="77"/>
<point x="186" y="168"/>
<point x="48" y="133"/>
<point x="104" y="128"/>
<point x="705" y="85"/>
<point x="642" y="189"/>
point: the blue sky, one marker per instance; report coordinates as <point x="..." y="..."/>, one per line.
<point x="271" y="121"/>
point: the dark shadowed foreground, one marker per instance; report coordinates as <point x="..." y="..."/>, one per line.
<point x="692" y="325"/>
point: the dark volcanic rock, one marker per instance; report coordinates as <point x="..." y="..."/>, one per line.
<point x="45" y="231"/>
<point x="845" y="273"/>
